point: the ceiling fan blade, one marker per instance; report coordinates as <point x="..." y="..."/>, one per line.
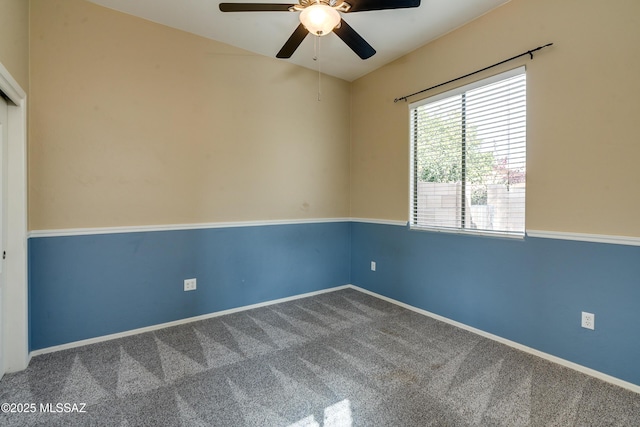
<point x="354" y="40"/>
<point x="364" y="5"/>
<point x="294" y="41"/>
<point x="254" y="7"/>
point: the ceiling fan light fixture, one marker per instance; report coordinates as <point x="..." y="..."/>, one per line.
<point x="319" y="19"/>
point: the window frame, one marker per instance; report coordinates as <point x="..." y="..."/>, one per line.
<point x="413" y="164"/>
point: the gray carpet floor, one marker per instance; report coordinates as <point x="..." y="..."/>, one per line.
<point x="343" y="358"/>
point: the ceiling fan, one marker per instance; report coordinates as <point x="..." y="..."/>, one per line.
<point x="321" y="17"/>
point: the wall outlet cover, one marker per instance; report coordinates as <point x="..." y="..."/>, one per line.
<point x="190" y="284"/>
<point x="588" y="320"/>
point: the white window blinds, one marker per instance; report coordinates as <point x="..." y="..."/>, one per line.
<point x="468" y="157"/>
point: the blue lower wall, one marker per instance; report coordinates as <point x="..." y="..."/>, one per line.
<point x="529" y="291"/>
<point x="87" y="286"/>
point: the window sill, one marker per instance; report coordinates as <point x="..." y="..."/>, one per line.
<point x="483" y="233"/>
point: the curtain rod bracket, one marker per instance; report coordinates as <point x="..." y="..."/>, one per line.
<point x="529" y="52"/>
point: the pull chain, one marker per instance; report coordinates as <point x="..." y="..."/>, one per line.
<point x="316" y="48"/>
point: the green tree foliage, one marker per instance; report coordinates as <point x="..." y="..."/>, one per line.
<point x="439" y="151"/>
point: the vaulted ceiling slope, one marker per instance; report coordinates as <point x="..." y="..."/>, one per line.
<point x="393" y="33"/>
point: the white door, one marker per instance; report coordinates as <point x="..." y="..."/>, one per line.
<point x="3" y="209"/>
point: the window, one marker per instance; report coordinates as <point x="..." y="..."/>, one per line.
<point x="468" y="158"/>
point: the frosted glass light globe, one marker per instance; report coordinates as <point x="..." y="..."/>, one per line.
<point x="319" y="19"/>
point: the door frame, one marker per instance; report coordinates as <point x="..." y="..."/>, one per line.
<point x="15" y="290"/>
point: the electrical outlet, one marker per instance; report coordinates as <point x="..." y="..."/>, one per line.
<point x="373" y="266"/>
<point x="189" y="284"/>
<point x="588" y="320"/>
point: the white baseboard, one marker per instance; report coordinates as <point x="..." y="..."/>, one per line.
<point x="576" y="367"/>
<point x="177" y="322"/>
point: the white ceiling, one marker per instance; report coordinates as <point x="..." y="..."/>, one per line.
<point x="393" y="33"/>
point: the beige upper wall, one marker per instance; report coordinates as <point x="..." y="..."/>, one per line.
<point x="14" y="39"/>
<point x="134" y="123"/>
<point x="583" y="145"/>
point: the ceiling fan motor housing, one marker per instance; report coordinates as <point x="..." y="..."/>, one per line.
<point x="339" y="5"/>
